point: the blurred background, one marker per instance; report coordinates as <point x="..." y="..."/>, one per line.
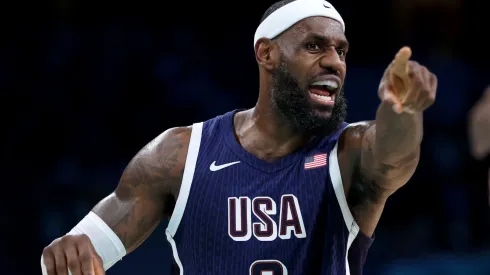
<point x="85" y="84"/>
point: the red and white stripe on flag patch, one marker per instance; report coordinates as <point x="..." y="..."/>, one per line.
<point x="318" y="160"/>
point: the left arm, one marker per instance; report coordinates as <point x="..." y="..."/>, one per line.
<point x="390" y="147"/>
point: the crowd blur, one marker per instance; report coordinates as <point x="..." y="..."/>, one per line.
<point x="85" y="84"/>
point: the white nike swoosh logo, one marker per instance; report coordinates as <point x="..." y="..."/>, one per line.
<point x="215" y="167"/>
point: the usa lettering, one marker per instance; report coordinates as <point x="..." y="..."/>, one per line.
<point x="240" y="225"/>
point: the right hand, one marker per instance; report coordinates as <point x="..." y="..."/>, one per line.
<point x="74" y="252"/>
<point x="406" y="85"/>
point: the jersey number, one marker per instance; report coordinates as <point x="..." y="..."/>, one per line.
<point x="268" y="267"/>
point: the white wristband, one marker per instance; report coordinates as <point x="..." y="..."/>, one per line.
<point x="106" y="243"/>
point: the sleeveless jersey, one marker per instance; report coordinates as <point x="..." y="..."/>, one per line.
<point x="237" y="214"/>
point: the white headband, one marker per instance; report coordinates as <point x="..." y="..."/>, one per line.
<point x="290" y="14"/>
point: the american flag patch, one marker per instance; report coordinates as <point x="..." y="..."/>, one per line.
<point x="316" y="161"/>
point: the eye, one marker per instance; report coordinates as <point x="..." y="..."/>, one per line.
<point x="341" y="52"/>
<point x="312" y="46"/>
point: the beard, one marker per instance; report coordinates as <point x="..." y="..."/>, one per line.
<point x="292" y="103"/>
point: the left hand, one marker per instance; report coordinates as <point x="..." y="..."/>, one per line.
<point x="406" y="85"/>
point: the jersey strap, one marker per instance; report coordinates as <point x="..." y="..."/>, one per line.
<point x="338" y="187"/>
<point x="185" y="188"/>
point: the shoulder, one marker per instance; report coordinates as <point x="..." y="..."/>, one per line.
<point x="171" y="145"/>
<point x="350" y="141"/>
<point x="173" y="139"/>
<point x="357" y="129"/>
<point x="159" y="165"/>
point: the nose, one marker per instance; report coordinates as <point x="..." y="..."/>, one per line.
<point x="331" y="62"/>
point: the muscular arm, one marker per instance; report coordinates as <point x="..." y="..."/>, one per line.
<point x="385" y="154"/>
<point x="389" y="148"/>
<point x="147" y="189"/>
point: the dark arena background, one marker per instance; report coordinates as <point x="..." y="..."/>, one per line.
<point x="85" y="84"/>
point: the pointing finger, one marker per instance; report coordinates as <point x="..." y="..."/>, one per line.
<point x="400" y="63"/>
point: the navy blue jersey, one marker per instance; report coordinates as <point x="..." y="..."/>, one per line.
<point x="237" y="214"/>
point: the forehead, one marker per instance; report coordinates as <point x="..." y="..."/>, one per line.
<point x="318" y="26"/>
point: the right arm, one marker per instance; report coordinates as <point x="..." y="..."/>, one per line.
<point x="145" y="195"/>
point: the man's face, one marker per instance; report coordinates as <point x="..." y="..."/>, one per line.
<point x="307" y="86"/>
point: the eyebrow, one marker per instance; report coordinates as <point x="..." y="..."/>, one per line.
<point x="341" y="42"/>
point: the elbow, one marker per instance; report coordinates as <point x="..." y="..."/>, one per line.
<point x="392" y="177"/>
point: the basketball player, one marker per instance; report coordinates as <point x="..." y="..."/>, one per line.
<point x="264" y="190"/>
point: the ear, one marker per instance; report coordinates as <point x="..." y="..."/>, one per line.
<point x="267" y="54"/>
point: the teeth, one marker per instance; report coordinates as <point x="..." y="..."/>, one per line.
<point x="322" y="97"/>
<point x="329" y="84"/>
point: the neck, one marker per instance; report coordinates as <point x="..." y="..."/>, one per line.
<point x="265" y="133"/>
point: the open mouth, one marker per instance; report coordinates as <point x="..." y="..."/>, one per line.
<point x="324" y="91"/>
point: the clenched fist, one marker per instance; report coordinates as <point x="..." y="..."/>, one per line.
<point x="74" y="252"/>
<point x="406" y="85"/>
